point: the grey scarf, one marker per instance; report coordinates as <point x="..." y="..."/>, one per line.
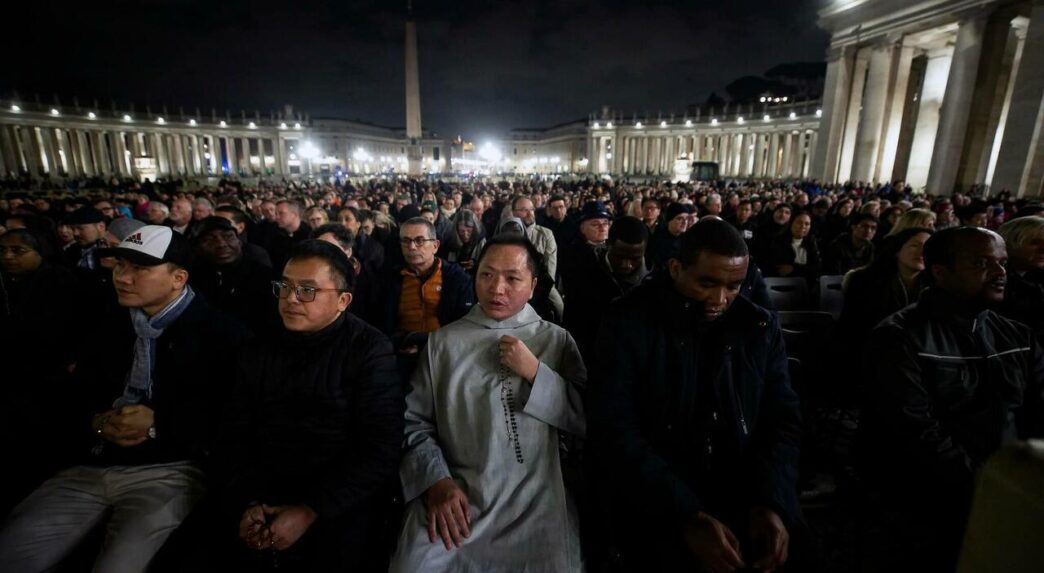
<point x="139" y="379"/>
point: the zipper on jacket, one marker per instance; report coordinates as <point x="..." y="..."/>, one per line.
<point x="736" y="396"/>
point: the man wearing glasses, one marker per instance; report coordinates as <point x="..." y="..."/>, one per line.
<point x="310" y="442"/>
<point x="424" y="294"/>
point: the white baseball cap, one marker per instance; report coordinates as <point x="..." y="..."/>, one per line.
<point x="152" y="245"/>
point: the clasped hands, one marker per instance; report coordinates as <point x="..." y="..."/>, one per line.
<point x="718" y="549"/>
<point x="125" y="426"/>
<point x="274" y="526"/>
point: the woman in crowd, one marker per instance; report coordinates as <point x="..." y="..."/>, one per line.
<point x="43" y="309"/>
<point x="889" y="283"/>
<point x="316" y="217"/>
<point x="914" y="218"/>
<point x="794" y="252"/>
<point x="1024" y="293"/>
<point x="837" y="220"/>
<point x="464" y="241"/>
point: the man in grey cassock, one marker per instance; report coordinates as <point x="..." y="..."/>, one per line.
<point x="481" y="472"/>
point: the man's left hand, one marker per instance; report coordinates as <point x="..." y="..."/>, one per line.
<point x="131" y="424"/>
<point x="516" y="355"/>
<point x="289" y="523"/>
<point x="770" y="536"/>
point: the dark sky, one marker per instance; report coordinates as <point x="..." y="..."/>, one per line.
<point x="485" y="66"/>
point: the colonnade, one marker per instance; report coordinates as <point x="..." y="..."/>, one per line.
<point x="944" y="95"/>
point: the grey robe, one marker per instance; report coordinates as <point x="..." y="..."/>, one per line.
<point x="460" y="423"/>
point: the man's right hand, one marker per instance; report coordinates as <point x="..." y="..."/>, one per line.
<point x="714" y="545"/>
<point x="252" y="528"/>
<point x="449" y="515"/>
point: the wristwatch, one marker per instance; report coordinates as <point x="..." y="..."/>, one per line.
<point x="151" y="433"/>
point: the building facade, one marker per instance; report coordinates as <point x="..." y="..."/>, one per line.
<point x="944" y="94"/>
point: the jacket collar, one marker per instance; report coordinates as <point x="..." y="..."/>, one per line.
<point x="941" y="307"/>
<point x="524" y="317"/>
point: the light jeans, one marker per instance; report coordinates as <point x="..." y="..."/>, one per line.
<point x="139" y="505"/>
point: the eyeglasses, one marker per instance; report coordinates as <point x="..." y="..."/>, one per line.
<point x="282" y="289"/>
<point x="416" y="241"/>
<point x="16" y="251"/>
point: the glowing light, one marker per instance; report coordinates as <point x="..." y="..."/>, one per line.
<point x="223" y="124"/>
<point x="490" y="153"/>
<point x="763" y="99"/>
<point x="160" y="120"/>
<point x="359" y="155"/>
<point x="714" y="121"/>
<point x="15" y="108"/>
<point x="688" y="123"/>
<point x="793" y="115"/>
<point x="90" y="115"/>
<point x="252" y="125"/>
<point x="739" y="119"/>
<point x="766" y="118"/>
<point x="192" y="122"/>
<point x="784" y="98"/>
<point x="297" y="126"/>
<point x="309" y="150"/>
<point x="663" y="124"/>
<point x="610" y="124"/>
<point x="282" y="125"/>
<point x="608" y="155"/>
<point x="126" y="117"/>
<point x="638" y="124"/>
<point x="596" y="125"/>
<point x="55" y="111"/>
<point x="819" y="113"/>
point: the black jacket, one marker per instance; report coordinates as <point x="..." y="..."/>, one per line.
<point x="688" y="416"/>
<point x="781" y="252"/>
<point x="947" y="392"/>
<point x="1024" y="300"/>
<point x="315" y="419"/>
<point x="242" y="289"/>
<point x="842" y="256"/>
<point x="195" y="362"/>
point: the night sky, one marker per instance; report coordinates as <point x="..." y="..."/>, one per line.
<point x="485" y="66"/>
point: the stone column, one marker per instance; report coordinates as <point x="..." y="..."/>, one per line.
<point x="855" y="104"/>
<point x="895" y="110"/>
<point x="836" y="96"/>
<point x="50" y="147"/>
<point x="1020" y="163"/>
<point x="786" y="162"/>
<point x="759" y="155"/>
<point x="812" y="137"/>
<point x="932" y="90"/>
<point x="953" y="120"/>
<point x="1002" y="101"/>
<point x="773" y="155"/>
<point x="745" y="141"/>
<point x="231" y="156"/>
<point x="872" y="119"/>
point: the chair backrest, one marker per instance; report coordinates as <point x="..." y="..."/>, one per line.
<point x="787" y="293"/>
<point x="831" y="297"/>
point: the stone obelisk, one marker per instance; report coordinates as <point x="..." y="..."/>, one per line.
<point x="413" y="108"/>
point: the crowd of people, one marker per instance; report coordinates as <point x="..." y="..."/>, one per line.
<point x="513" y="375"/>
